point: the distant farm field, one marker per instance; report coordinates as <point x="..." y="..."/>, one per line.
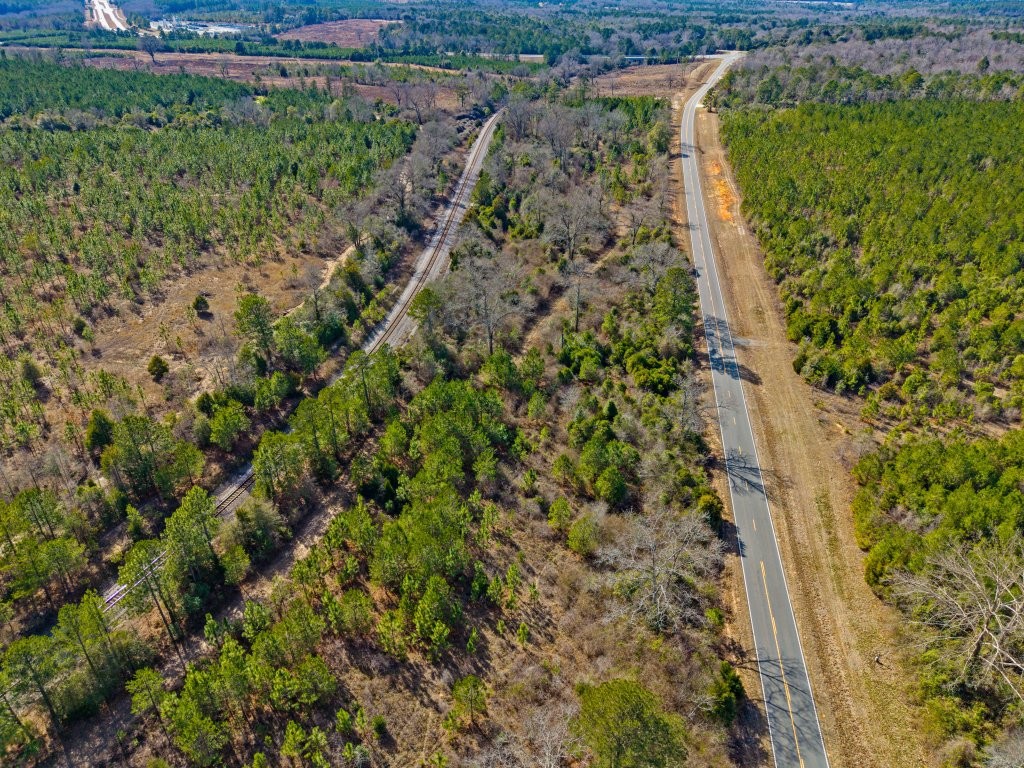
<point x="348" y="33"/>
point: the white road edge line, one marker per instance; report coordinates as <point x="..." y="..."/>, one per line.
<point x="689" y="114"/>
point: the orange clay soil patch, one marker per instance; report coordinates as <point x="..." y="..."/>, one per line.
<point x="348" y="33"/>
<point x="724" y="197"/>
<point x="809" y="440"/>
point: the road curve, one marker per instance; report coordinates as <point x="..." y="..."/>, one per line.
<point x="393" y="330"/>
<point x="792" y="718"/>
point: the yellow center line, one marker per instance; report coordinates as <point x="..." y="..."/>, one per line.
<point x="782" y="669"/>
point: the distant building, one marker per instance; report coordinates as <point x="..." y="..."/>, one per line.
<point x="201" y="28"/>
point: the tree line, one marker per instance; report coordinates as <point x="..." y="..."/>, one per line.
<point x="29" y="87"/>
<point x="838" y="83"/>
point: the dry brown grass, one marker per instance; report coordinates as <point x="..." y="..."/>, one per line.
<point x="664" y="80"/>
<point x="126" y="340"/>
<point x="347" y="33"/>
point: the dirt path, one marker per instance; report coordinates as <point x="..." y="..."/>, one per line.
<point x="808" y="442"/>
<point x="329" y="271"/>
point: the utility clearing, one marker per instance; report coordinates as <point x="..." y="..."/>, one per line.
<point x="105" y="15"/>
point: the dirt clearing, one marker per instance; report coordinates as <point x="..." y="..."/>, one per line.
<point x="274" y="71"/>
<point x="664" y="80"/>
<point x="196" y="349"/>
<point x="808" y="441"/>
<point x="348" y="33"/>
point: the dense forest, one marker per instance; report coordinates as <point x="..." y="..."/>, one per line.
<point x="893" y="230"/>
<point x="837" y="83"/>
<point x="30" y="88"/>
<point x="567" y="35"/>
<point x="943" y="522"/>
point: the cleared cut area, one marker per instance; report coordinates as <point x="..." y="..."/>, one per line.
<point x="347" y="33"/>
<point x="655" y="80"/>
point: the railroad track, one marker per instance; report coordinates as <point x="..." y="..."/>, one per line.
<point x="390" y="327"/>
<point x="233" y="498"/>
<point x="227" y="503"/>
<point x="385" y="333"/>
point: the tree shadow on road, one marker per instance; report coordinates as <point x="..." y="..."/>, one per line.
<point x="745" y="476"/>
<point x="749" y="740"/>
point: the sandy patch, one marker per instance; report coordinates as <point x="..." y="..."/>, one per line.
<point x="198" y="349"/>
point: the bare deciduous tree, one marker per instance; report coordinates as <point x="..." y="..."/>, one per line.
<point x="480" y="88"/>
<point x="151" y="44"/>
<point x="433" y="142"/>
<point x="650" y="262"/>
<point x="482" y="289"/>
<point x="557" y="126"/>
<point x="1008" y="752"/>
<point x="248" y="110"/>
<point x="545" y="741"/>
<point x="970" y="607"/>
<point x="550" y="738"/>
<point x="641" y="213"/>
<point x="573" y="224"/>
<point x="397" y="91"/>
<point x="658" y="567"/>
<point x="422" y="97"/>
<point x="518" y="120"/>
<point x="407" y="188"/>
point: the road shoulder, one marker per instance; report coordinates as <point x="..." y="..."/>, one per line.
<point x="808" y="441"/>
<point x="753" y="746"/>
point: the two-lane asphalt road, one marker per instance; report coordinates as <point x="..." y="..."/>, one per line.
<point x="792" y="719"/>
